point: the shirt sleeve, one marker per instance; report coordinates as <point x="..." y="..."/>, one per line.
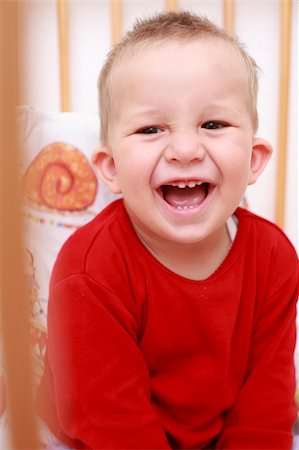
<point x="265" y="410"/>
<point x="100" y="379"/>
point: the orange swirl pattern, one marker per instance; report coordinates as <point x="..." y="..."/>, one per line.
<point x="60" y="178"/>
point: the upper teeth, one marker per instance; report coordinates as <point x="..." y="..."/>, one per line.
<point x="190" y="184"/>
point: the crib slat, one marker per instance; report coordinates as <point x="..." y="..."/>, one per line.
<point x="229" y="15"/>
<point x="63" y="55"/>
<point x="285" y="55"/>
<point x="116" y="21"/>
<point x="171" y="5"/>
<point x="14" y="304"/>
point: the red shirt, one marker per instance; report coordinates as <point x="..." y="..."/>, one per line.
<point x="142" y="358"/>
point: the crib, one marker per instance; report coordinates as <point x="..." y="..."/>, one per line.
<point x="64" y="116"/>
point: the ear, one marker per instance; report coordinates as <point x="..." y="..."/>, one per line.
<point x="106" y="169"/>
<point x="261" y="152"/>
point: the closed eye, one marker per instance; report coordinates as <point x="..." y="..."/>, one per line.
<point x="149" y="130"/>
<point x="214" y="125"/>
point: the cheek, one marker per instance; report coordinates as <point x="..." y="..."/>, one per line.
<point x="233" y="162"/>
<point x="137" y="162"/>
<point x="132" y="172"/>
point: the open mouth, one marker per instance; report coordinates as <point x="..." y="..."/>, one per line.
<point x="185" y="195"/>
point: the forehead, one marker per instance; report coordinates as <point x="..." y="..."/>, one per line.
<point x="214" y="64"/>
<point x="178" y="57"/>
<point x="152" y="64"/>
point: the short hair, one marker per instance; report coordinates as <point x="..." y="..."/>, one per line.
<point x="167" y="27"/>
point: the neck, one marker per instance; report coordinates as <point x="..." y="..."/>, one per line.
<point x="194" y="261"/>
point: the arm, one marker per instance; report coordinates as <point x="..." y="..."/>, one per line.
<point x="265" y="411"/>
<point x="101" y="381"/>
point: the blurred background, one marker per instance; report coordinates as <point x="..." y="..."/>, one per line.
<point x="51" y="52"/>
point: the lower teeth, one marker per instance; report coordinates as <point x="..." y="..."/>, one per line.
<point x="180" y="208"/>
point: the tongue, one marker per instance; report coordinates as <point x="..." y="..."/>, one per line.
<point x="176" y="196"/>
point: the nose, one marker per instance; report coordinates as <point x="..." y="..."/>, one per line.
<point x="185" y="147"/>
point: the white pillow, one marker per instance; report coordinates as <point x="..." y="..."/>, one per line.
<point x="61" y="193"/>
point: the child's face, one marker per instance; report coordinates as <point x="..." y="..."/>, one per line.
<point x="181" y="147"/>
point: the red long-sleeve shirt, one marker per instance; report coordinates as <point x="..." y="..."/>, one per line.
<point x="142" y="358"/>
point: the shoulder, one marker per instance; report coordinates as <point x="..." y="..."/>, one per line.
<point x="263" y="227"/>
<point x="90" y="247"/>
<point x="267" y="240"/>
<point x="97" y="268"/>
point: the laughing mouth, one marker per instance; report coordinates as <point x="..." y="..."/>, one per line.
<point x="185" y="195"/>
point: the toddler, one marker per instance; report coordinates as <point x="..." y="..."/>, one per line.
<point x="172" y="314"/>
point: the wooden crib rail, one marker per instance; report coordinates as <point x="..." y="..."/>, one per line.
<point x="229" y="15"/>
<point x="171" y="5"/>
<point x="284" y="87"/>
<point x="14" y="304"/>
<point x="63" y="55"/>
<point x="116" y="21"/>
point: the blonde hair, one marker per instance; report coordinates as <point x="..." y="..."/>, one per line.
<point x="166" y="27"/>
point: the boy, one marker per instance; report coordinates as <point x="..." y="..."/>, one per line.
<point x="172" y="314"/>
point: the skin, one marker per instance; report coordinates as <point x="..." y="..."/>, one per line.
<point x="183" y="115"/>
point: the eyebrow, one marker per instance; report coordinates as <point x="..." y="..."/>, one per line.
<point x="145" y="112"/>
<point x="153" y="113"/>
<point x="215" y="110"/>
<point x="220" y="108"/>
